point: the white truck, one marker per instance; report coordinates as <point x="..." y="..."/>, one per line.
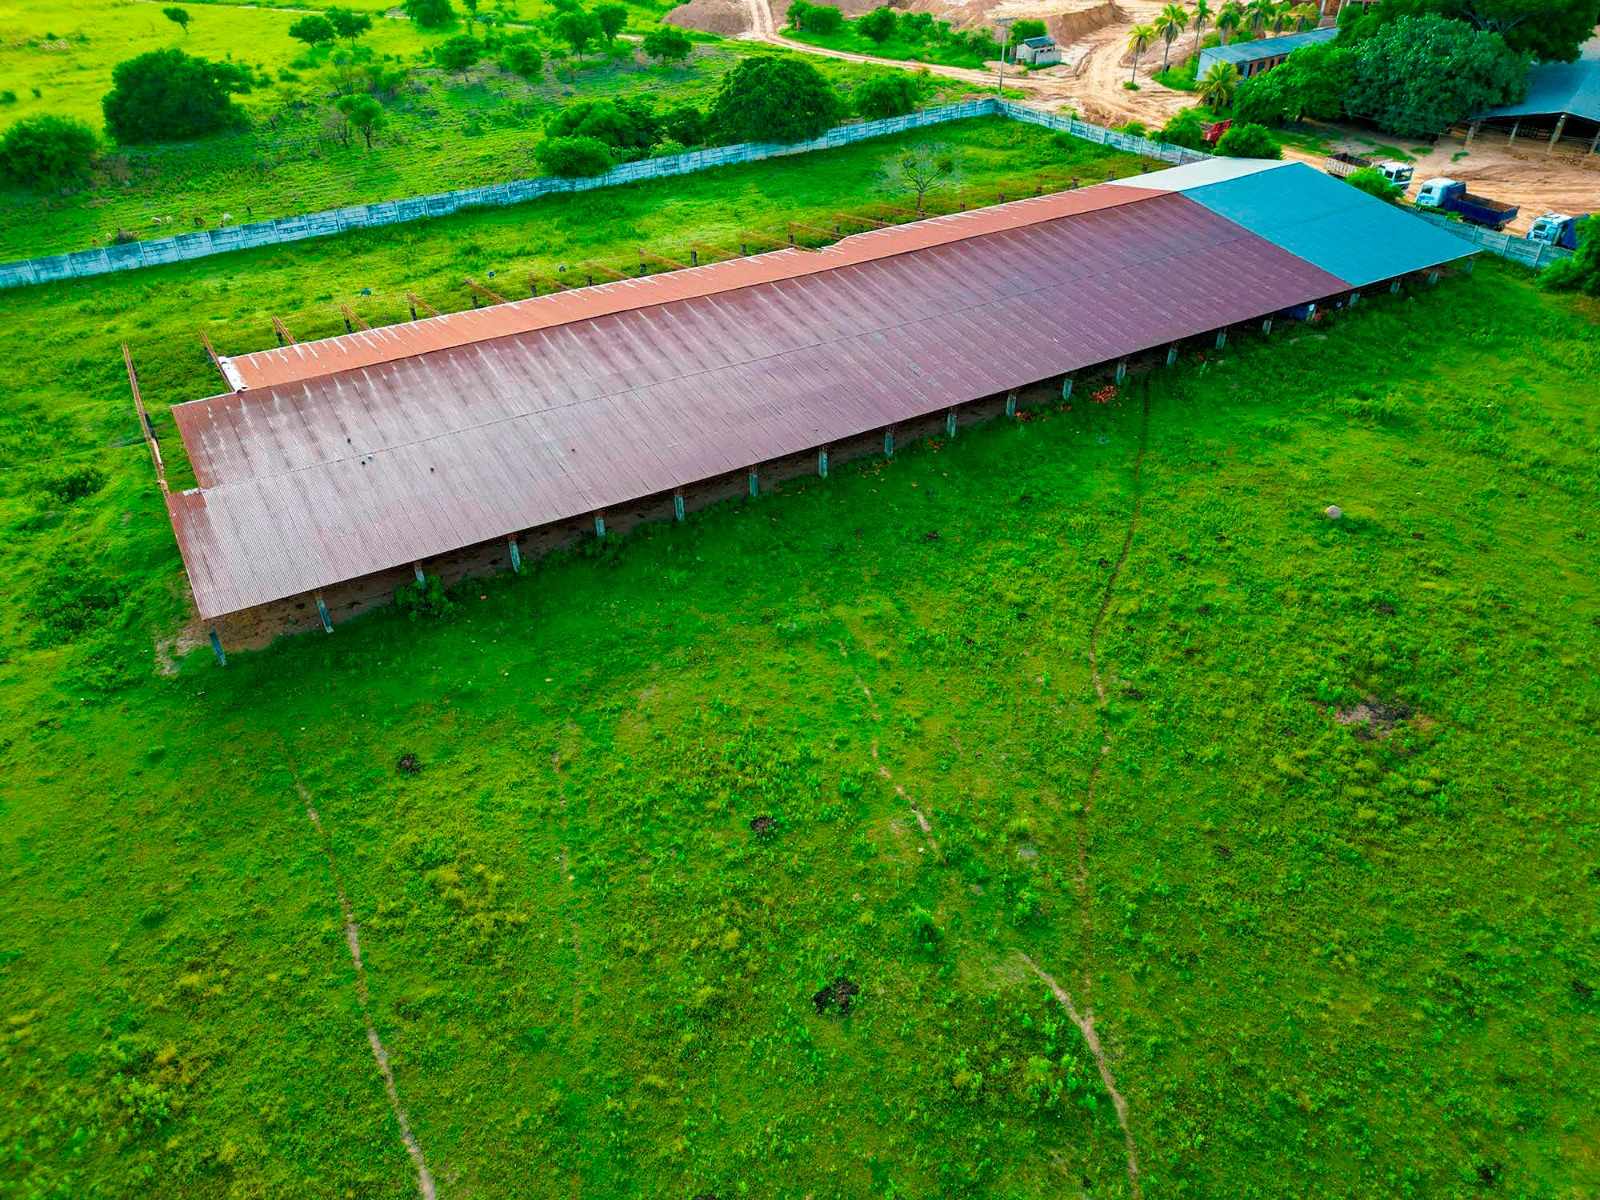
<point x="1343" y="164"/>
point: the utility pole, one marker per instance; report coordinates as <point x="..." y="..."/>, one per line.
<point x="1003" y="31"/>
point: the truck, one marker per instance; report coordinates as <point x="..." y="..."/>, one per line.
<point x="1343" y="164"/>
<point x="1556" y="229"/>
<point x="1214" y="131"/>
<point x="1451" y="195"/>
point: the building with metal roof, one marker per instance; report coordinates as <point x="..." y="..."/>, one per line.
<point x="1252" y="58"/>
<point x="1563" y="101"/>
<point x="333" y="461"/>
<point x="1038" y="51"/>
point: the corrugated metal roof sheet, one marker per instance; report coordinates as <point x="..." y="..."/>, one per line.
<point x="1246" y="52"/>
<point x="1572" y="88"/>
<point x="1327" y="222"/>
<point x="305" y="360"/>
<point x="317" y="480"/>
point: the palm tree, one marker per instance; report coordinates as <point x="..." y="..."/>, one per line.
<point x="1169" y="24"/>
<point x="1139" y="39"/>
<point x="1219" y="85"/>
<point x="1305" y="16"/>
<point x="1260" y="12"/>
<point x="1229" y="18"/>
<point x="1280" y="14"/>
<point x="1202" y="14"/>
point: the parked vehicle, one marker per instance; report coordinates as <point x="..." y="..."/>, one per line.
<point x="1556" y="229"/>
<point x="1343" y="164"/>
<point x="1451" y="195"/>
<point x="1214" y="131"/>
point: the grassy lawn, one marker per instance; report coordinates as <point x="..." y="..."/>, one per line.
<point x="443" y="131"/>
<point x="1359" y="959"/>
<point x="928" y="51"/>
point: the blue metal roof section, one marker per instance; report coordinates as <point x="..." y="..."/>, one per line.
<point x="1572" y="88"/>
<point x="1288" y="43"/>
<point x="1328" y="223"/>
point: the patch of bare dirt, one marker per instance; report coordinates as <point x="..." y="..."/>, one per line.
<point x="1373" y="717"/>
<point x="840" y="994"/>
<point x="728" y="18"/>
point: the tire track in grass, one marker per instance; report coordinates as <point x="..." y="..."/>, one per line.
<point x="352" y="937"/>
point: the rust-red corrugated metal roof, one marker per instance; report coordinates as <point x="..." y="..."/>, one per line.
<point x="285" y="364"/>
<point x="429" y="447"/>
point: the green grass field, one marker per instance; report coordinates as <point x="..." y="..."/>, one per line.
<point x="443" y="131"/>
<point x="894" y="47"/>
<point x="1323" y="959"/>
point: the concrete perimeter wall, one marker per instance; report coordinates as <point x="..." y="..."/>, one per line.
<point x="204" y="242"/>
<point x="1506" y="245"/>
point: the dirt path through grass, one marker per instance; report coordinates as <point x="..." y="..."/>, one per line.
<point x="352" y="937"/>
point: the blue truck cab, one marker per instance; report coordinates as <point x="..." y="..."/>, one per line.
<point x="1451" y="195"/>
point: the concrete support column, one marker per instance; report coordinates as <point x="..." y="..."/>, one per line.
<point x="516" y="554"/>
<point x="1394" y="288"/>
<point x="1266" y="327"/>
<point x="822" y="462"/>
<point x="1433" y="277"/>
<point x="1355" y="299"/>
<point x="322" y="611"/>
<point x="600" y="525"/>
<point x="1222" y="338"/>
<point x="1066" y="387"/>
<point x="1472" y="132"/>
<point x="888" y="442"/>
<point x="1466" y="267"/>
<point x="755" y="483"/>
<point x="416" y="571"/>
<point x="1561" y="124"/>
<point x="1512" y="140"/>
<point x="1172" y="354"/>
<point x="216" y="648"/>
<point x="1011" y="404"/>
<point x="677" y="504"/>
<point x="950" y="423"/>
<point x="1122" y="370"/>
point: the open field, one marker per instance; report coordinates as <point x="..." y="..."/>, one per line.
<point x="442" y="131"/>
<point x="1348" y="947"/>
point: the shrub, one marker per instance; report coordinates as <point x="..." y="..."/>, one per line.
<point x="684" y="123"/>
<point x="771" y="99"/>
<point x="1249" y="141"/>
<point x="627" y="126"/>
<point x="879" y="24"/>
<point x="430" y="14"/>
<point x="167" y="95"/>
<point x="665" y="44"/>
<point x="520" y="56"/>
<point x="424" y="601"/>
<point x="891" y="94"/>
<point x="1374" y="183"/>
<point x="815" y="18"/>
<point x="1186" y="128"/>
<point x="1581" y="272"/>
<point x="73" y="485"/>
<point x="574" y="157"/>
<point x="47" y="151"/>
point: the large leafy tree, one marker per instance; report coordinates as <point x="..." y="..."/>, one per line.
<point x="1311" y="82"/>
<point x="46" y="151"/>
<point x="1419" y="75"/>
<point x="167" y="95"/>
<point x="1551" y="30"/>
<point x="771" y="99"/>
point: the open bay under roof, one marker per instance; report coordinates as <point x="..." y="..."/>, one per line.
<point x="337" y="459"/>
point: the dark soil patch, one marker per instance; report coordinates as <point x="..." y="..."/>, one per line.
<point x="838" y="994"/>
<point x="1372" y="717"/>
<point x="1582" y="990"/>
<point x="408" y="764"/>
<point x="1383" y="608"/>
<point x="764" y="826"/>
<point x="931" y="536"/>
<point x="1222" y="851"/>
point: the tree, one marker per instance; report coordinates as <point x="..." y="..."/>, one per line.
<point x="919" y="171"/>
<point x="348" y="24"/>
<point x="178" y="16"/>
<point x="1549" y="30"/>
<point x="1202" y="14"/>
<point x="1219" y="85"/>
<point x="1305" y="16"/>
<point x="889" y="94"/>
<point x="1418" y="76"/>
<point x="612" y="18"/>
<point x="458" y="53"/>
<point x="520" y="56"/>
<point x="666" y="44"/>
<point x="1581" y="272"/>
<point x="1185" y="128"/>
<point x="578" y="28"/>
<point x="1373" y="182"/>
<point x="1249" y="141"/>
<point x="362" y="111"/>
<point x="684" y="124"/>
<point x="878" y="24"/>
<point x="312" y="30"/>
<point x="1229" y="17"/>
<point x="167" y="95"/>
<point x="771" y="99"/>
<point x="430" y="14"/>
<point x="1139" y="39"/>
<point x="815" y="18"/>
<point x="627" y="126"/>
<point x="1311" y="82"/>
<point x="47" y="151"/>
<point x="1169" y="23"/>
<point x="1021" y="30"/>
<point x="1260" y="12"/>
<point x="574" y="157"/>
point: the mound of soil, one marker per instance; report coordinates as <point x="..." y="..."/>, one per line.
<point x="837" y="994"/>
<point x="408" y="764"/>
<point x="764" y="826"/>
<point x="1069" y="27"/>
<point x="725" y="17"/>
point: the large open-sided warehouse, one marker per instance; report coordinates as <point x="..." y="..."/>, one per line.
<point x="336" y="461"/>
